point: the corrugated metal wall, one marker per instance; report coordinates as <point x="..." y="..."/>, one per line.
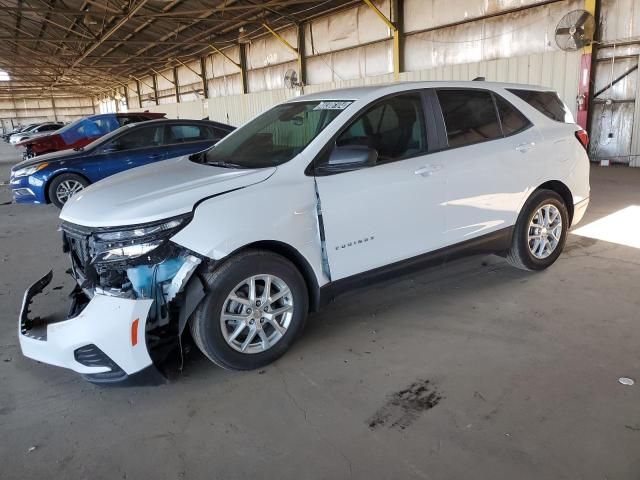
<point x="615" y="114"/>
<point x="502" y="40"/>
<point x="558" y="70"/>
<point x="30" y="110"/>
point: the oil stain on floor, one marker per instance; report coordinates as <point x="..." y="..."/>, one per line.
<point x="406" y="405"/>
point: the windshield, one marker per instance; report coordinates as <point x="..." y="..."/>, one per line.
<point x="276" y="136"/>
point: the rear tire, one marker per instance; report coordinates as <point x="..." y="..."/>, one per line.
<point x="240" y="330"/>
<point x="64" y="186"/>
<point x="540" y="232"/>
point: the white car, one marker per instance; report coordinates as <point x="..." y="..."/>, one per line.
<point x="319" y="194"/>
<point x="35" y="132"/>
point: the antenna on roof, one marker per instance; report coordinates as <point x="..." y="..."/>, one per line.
<point x="479" y="79"/>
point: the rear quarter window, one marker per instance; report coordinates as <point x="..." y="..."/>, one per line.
<point x="548" y="103"/>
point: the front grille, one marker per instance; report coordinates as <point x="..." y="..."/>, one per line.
<point x="77" y="241"/>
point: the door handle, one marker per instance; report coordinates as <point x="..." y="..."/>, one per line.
<point x="525" y="147"/>
<point x="428" y="170"/>
<point x="155" y="155"/>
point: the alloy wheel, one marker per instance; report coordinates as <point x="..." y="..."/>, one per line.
<point x="545" y="231"/>
<point x="67" y="189"/>
<point x="256" y="314"/>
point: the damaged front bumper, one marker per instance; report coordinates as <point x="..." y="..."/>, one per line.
<point x="104" y="341"/>
<point x="129" y="307"/>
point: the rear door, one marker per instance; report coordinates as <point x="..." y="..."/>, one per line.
<point x="391" y="211"/>
<point x="487" y="157"/>
<point x="137" y="146"/>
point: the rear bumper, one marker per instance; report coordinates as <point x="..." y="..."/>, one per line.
<point x="105" y="341"/>
<point x="579" y="209"/>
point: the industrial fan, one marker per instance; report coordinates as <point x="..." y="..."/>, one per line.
<point x="575" y="30"/>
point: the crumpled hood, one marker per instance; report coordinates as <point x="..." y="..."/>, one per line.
<point x="154" y="192"/>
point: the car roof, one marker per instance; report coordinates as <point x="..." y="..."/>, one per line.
<point x="372" y="91"/>
<point x="209" y="123"/>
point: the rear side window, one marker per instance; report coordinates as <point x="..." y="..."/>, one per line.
<point x="469" y="116"/>
<point x="512" y="120"/>
<point x="547" y="103"/>
<point x="187" y="133"/>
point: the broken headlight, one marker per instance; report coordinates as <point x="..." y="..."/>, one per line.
<point x="118" y="245"/>
<point x="141" y="231"/>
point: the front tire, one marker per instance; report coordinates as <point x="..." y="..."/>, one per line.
<point x="540" y="232"/>
<point x="256" y="307"/>
<point x="64" y="186"/>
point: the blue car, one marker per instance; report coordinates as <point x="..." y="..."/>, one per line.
<point x="54" y="177"/>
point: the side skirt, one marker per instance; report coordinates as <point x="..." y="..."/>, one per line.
<point x="495" y="242"/>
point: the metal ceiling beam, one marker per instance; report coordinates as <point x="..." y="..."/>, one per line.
<point x="105" y="36"/>
<point x="183" y="13"/>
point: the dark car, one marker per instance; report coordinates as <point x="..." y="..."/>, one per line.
<point x="83" y="131"/>
<point x="54" y="177"/>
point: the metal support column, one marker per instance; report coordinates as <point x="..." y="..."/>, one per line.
<point x="139" y="94"/>
<point x="243" y="68"/>
<point x="176" y="84"/>
<point x="395" y="27"/>
<point x="302" y="61"/>
<point x="53" y="105"/>
<point x="155" y="88"/>
<point x="126" y="96"/>
<point x="203" y="75"/>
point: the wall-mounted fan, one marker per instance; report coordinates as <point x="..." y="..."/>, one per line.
<point x="575" y="30"/>
<point x="291" y="79"/>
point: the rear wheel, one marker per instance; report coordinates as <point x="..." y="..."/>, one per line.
<point x="64" y="186"/>
<point x="256" y="307"/>
<point x="540" y="232"/>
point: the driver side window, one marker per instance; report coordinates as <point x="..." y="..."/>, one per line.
<point x="394" y="127"/>
<point x="137" y="138"/>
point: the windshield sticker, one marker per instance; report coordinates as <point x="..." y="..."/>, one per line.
<point x="332" y="105"/>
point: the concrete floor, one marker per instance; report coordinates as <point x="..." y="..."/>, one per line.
<point x="521" y="371"/>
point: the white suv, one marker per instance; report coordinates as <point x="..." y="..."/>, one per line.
<point x="321" y="193"/>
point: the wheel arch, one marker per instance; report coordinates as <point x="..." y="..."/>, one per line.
<point x="57" y="174"/>
<point x="562" y="190"/>
<point x="298" y="260"/>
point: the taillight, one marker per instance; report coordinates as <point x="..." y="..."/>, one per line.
<point x="583" y="138"/>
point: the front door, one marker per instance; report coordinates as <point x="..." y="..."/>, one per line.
<point x="390" y="211"/>
<point x="134" y="148"/>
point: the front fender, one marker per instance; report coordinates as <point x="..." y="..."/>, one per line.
<point x="275" y="211"/>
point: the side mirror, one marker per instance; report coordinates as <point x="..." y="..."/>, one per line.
<point x="353" y="157"/>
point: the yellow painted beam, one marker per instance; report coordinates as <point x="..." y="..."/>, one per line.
<point x="382" y="16"/>
<point x="396" y="38"/>
<point x="166" y="78"/>
<point x="185" y="65"/>
<point x="217" y="50"/>
<point x="280" y="38"/>
<point x="141" y="81"/>
<point x="589" y="6"/>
